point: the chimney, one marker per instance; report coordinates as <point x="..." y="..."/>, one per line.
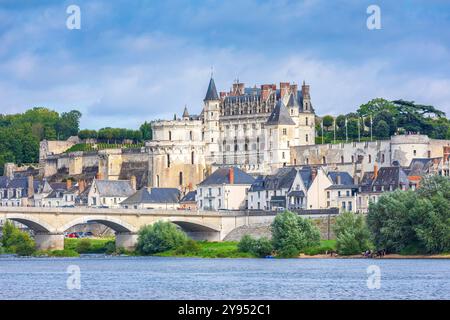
<point x="223" y="95"/>
<point x="190" y="186"/>
<point x="313" y="173"/>
<point x="305" y="90"/>
<point x="265" y="91"/>
<point x="294" y="89"/>
<point x="284" y="89"/>
<point x="231" y="175"/>
<point x="81" y="186"/>
<point x="68" y="184"/>
<point x="99" y="176"/>
<point x="133" y="182"/>
<point x="375" y="171"/>
<point x="30" y="189"/>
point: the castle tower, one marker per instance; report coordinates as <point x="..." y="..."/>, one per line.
<point x="211" y="130"/>
<point x="306" y="119"/>
<point x="280" y="132"/>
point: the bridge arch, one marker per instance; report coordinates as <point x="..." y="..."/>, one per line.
<point x="34" y="224"/>
<point x="198" y="230"/>
<point x="117" y="225"/>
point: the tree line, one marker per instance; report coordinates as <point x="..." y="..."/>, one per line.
<point x="115" y="135"/>
<point x="380" y="119"/>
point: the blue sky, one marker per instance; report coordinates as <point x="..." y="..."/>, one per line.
<point x="142" y="60"/>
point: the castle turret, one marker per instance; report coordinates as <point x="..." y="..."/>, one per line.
<point x="211" y="113"/>
<point x="280" y="131"/>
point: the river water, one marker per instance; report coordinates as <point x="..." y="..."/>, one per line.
<point x="190" y="278"/>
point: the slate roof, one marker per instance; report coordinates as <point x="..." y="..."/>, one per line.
<point x="114" y="188"/>
<point x="388" y="176"/>
<point x="306" y="175"/>
<point x="185" y="113"/>
<point x="222" y="176"/>
<point x="296" y="193"/>
<point x="293" y="101"/>
<point x="346" y="178"/>
<point x="189" y="197"/>
<point x="280" y="115"/>
<point x="211" y="94"/>
<point x="4" y="181"/>
<point x="154" y="195"/>
<point x="421" y="166"/>
<point x="282" y="179"/>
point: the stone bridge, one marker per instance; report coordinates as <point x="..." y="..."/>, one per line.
<point x="49" y="224"/>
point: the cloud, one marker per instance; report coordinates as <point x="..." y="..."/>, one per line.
<point x="132" y="63"/>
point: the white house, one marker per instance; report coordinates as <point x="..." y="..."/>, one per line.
<point x="109" y="193"/>
<point x="224" y="189"/>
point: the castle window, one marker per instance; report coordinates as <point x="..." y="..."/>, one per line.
<point x="342" y="159"/>
<point x="307" y="160"/>
<point x="307" y="138"/>
<point x="170" y="135"/>
<point x="168" y="161"/>
<point x="282" y="155"/>
<point x="180" y="178"/>
<point x="192" y="157"/>
<point x="382" y="158"/>
<point x="157" y="180"/>
<point x="370" y="158"/>
<point x="306" y="121"/>
<point x="415" y="152"/>
<point x="324" y="160"/>
<point x="190" y="135"/>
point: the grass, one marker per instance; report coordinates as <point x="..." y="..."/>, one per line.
<point x="102" y="146"/>
<point x="322" y="248"/>
<point x="102" y="245"/>
<point x="210" y="250"/>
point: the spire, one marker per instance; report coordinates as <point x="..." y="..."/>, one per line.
<point x="185" y="112"/>
<point x="280" y="115"/>
<point x="211" y="94"/>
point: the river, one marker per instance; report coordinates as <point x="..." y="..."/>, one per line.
<point x="190" y="278"/>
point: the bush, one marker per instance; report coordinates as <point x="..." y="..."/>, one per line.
<point x="159" y="237"/>
<point x="63" y="253"/>
<point x="352" y="234"/>
<point x="407" y="221"/>
<point x="84" y="246"/>
<point x="292" y="233"/>
<point x="246" y="244"/>
<point x="189" y="247"/>
<point x="17" y="241"/>
<point x="261" y="247"/>
<point x="110" y="247"/>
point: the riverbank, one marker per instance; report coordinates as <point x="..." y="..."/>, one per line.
<point x="203" y="249"/>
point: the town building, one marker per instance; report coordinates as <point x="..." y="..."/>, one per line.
<point x="225" y="189"/>
<point x="153" y="198"/>
<point x="189" y="201"/>
<point x="109" y="193"/>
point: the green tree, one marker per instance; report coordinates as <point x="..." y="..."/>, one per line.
<point x="381" y="130"/>
<point x="292" y="233"/>
<point x="146" y="129"/>
<point x="352" y="234"/>
<point x="328" y="122"/>
<point x="160" y="236"/>
<point x="17" y="241"/>
<point x="261" y="247"/>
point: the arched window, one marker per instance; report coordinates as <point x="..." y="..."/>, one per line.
<point x="180" y="178"/>
<point x="168" y="161"/>
<point x="157" y="180"/>
<point x="324" y="160"/>
<point x="342" y="159"/>
<point x="370" y="158"/>
<point x="192" y="157"/>
<point x="170" y="135"/>
<point x="190" y="135"/>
